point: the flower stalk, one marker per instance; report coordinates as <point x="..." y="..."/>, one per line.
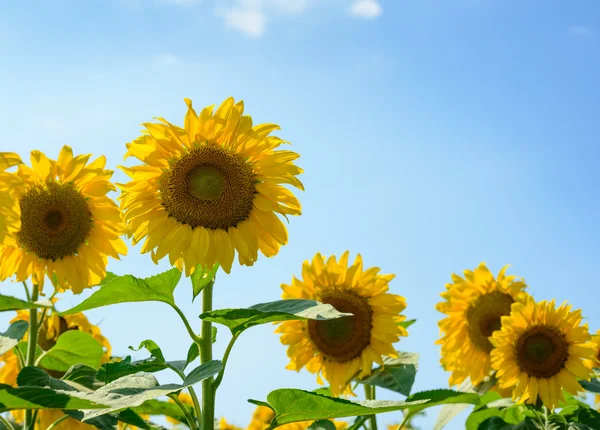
<point x="208" y="395"/>
<point x="31" y="349"/>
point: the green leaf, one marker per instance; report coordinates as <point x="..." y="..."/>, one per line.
<point x="396" y="374"/>
<point x="238" y="320"/>
<point x="8" y="303"/>
<point x="13" y="335"/>
<point x="109" y="372"/>
<point x="81" y="374"/>
<point x="496" y="423"/>
<point x="72" y="347"/>
<point x="128" y="289"/>
<point x="133" y="390"/>
<point x="475" y="419"/>
<point x="593" y="385"/>
<point x="202" y="277"/>
<point x="103" y="422"/>
<point x="406" y="324"/>
<point x="12" y="398"/>
<point x="31" y="376"/>
<point x="292" y="405"/>
<point x="322" y="425"/>
<point x="441" y="397"/>
<point x="129" y="416"/>
<point x="448" y="412"/>
<point x="193" y="354"/>
<point x="169" y="409"/>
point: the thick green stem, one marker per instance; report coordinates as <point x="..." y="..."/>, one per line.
<point x="208" y="397"/>
<point x="370" y="395"/>
<point x="31" y="350"/>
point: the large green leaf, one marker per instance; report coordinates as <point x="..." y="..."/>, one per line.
<point x="82" y="375"/>
<point x="12" y="398"/>
<point x="13" y="335"/>
<point x="593" y="385"/>
<point x="72" y="347"/>
<point x="202" y="277"/>
<point x="441" y="397"/>
<point x="291" y="405"/>
<point x="497" y="423"/>
<point x="133" y="390"/>
<point x="238" y="320"/>
<point x="8" y="303"/>
<point x="128" y="288"/>
<point x="396" y="374"/>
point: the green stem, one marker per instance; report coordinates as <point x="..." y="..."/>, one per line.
<point x="192" y="392"/>
<point x="197" y="340"/>
<point x="20" y="356"/>
<point x="208" y="397"/>
<point x="6" y="423"/>
<point x="370" y="395"/>
<point x="57" y="422"/>
<point x="190" y="419"/>
<point x="29" y="423"/>
<point x="225" y="358"/>
<point x="27" y="295"/>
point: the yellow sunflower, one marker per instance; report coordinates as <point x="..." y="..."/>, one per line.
<point x="343" y="348"/>
<point x="224" y="425"/>
<point x="595" y="363"/>
<point x="474" y="305"/>
<point x="209" y="189"/>
<point x="56" y="220"/>
<point x="262" y="417"/>
<point x="52" y="327"/>
<point x="542" y="350"/>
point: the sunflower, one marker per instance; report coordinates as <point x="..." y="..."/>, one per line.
<point x="474" y="306"/>
<point x="595" y="362"/>
<point x="343" y="348"/>
<point x="52" y="327"/>
<point x="56" y="220"/>
<point x="209" y="189"/>
<point x="262" y="417"/>
<point x="542" y="350"/>
<point x="224" y="425"/>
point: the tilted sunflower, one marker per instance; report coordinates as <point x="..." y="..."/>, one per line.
<point x="52" y="327"/>
<point x="474" y="306"/>
<point x="262" y="417"/>
<point x="595" y="363"/>
<point x="542" y="350"/>
<point x="209" y="189"/>
<point x="343" y="348"/>
<point x="56" y="220"/>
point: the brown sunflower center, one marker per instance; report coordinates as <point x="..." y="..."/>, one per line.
<point x="55" y="221"/>
<point x="343" y="339"/>
<point x="484" y="316"/>
<point x="209" y="187"/>
<point x="542" y="351"/>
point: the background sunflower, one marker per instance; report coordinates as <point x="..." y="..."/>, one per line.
<point x="474" y="306"/>
<point x="56" y="220"/>
<point x="343" y="348"/>
<point x="210" y="189"/>
<point x="542" y="350"/>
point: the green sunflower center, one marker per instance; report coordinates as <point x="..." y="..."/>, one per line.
<point x="210" y="187"/>
<point x="484" y="317"/>
<point x="55" y="221"/>
<point x="542" y="351"/>
<point x="345" y="338"/>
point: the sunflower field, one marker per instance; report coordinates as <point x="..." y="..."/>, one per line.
<point x="202" y="194"/>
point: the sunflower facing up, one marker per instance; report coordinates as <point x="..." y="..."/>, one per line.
<point x="56" y="220"/>
<point x="52" y="327"/>
<point x="343" y="348"/>
<point x="542" y="350"/>
<point x="474" y="305"/>
<point x="209" y="189"/>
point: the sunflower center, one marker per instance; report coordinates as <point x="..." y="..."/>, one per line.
<point x="343" y="339"/>
<point x="484" y="316"/>
<point x="55" y="221"/>
<point x="542" y="351"/>
<point x="208" y="187"/>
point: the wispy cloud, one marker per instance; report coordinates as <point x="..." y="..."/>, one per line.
<point x="580" y="30"/>
<point x="248" y="20"/>
<point x="367" y="9"/>
<point x="165" y="60"/>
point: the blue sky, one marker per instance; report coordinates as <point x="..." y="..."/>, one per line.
<point x="434" y="135"/>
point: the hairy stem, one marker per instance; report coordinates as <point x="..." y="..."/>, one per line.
<point x="208" y="397"/>
<point x="370" y="395"/>
<point x="225" y="358"/>
<point x="190" y="419"/>
<point x="31" y="348"/>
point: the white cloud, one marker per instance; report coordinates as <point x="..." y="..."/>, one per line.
<point x="248" y="20"/>
<point x="165" y="60"/>
<point x="368" y="9"/>
<point x="580" y="30"/>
